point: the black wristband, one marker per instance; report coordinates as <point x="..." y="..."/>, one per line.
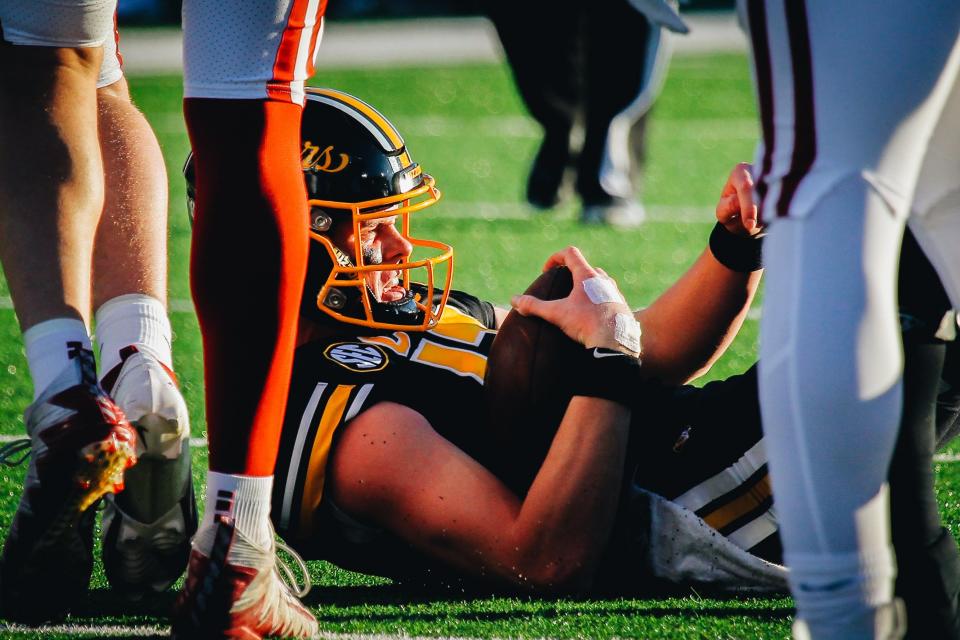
<point x="736" y="252"/>
<point x="605" y="373"/>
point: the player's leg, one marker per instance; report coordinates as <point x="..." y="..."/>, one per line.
<point x="248" y="264"/>
<point x="548" y="74"/>
<point x="51" y="196"/>
<point x="51" y="182"/>
<point x="927" y="554"/>
<point x="131" y="244"/>
<point x="936" y="223"/>
<point x="928" y="561"/>
<point x="147" y="527"/>
<point x="844" y="390"/>
<point x="617" y="35"/>
<point x="839" y="170"/>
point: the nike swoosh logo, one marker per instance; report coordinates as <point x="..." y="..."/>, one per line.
<point x="606" y="353"/>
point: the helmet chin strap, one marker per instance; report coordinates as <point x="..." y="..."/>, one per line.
<point x="398" y="310"/>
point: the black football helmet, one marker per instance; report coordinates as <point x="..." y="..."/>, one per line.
<point x="357" y="169"/>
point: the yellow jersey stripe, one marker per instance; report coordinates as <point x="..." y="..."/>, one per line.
<point x="742" y="505"/>
<point x="316" y="468"/>
<point x="459" y="361"/>
<point x="458" y="326"/>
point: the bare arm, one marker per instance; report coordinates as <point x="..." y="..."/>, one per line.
<point x="690" y="325"/>
<point x="391" y="468"/>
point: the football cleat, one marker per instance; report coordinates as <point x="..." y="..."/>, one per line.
<point x="81" y="445"/>
<point x="237" y="592"/>
<point x="147" y="528"/>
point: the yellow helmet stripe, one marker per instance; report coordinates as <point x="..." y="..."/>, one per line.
<point x="374" y="117"/>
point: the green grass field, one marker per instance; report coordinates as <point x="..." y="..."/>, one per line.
<point x="466" y="126"/>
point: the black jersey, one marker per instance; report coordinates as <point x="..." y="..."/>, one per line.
<point x="699" y="447"/>
<point x="704" y="450"/>
<point x="438" y="373"/>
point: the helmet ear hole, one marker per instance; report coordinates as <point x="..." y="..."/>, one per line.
<point x="335" y="299"/>
<point x="320" y="220"/>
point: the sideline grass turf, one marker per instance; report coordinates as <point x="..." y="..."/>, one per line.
<point x="466" y="126"/>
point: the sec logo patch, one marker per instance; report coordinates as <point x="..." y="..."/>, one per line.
<point x="362" y="358"/>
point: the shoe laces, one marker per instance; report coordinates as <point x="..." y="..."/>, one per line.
<point x="282" y="611"/>
<point x="279" y="592"/>
<point x="10" y="451"/>
<point x="287" y="573"/>
<point x="22" y="447"/>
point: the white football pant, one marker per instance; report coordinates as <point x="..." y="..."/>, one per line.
<point x="65" y="23"/>
<point x="860" y="111"/>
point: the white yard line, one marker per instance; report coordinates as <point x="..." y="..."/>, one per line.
<point x="92" y="630"/>
<point x="154" y="631"/>
<point x="198" y="443"/>
<point x="523" y="127"/>
<point x="674" y="214"/>
<point x="329" y="635"/>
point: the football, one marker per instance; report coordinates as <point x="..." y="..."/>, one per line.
<point x="524" y="384"/>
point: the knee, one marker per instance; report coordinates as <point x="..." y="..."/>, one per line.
<point x="31" y="66"/>
<point x="86" y="60"/>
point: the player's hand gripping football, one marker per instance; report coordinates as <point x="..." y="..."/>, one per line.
<point x="595" y="314"/>
<point x="737" y="210"/>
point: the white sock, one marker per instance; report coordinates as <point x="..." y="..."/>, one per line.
<point x="132" y="319"/>
<point x="837" y="594"/>
<point x="245" y="499"/>
<point x="47" y="351"/>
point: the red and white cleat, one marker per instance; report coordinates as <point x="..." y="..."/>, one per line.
<point x="147" y="528"/>
<point x="238" y="593"/>
<point x="81" y="445"/>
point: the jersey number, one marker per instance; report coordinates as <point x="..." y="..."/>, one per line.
<point x="464" y="362"/>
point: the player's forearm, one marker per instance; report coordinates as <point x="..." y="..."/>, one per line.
<point x="691" y="325"/>
<point x="566" y="517"/>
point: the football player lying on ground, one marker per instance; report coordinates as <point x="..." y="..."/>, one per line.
<point x="389" y="463"/>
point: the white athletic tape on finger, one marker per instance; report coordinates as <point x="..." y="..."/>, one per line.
<point x="600" y="290"/>
<point x="626" y="332"/>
